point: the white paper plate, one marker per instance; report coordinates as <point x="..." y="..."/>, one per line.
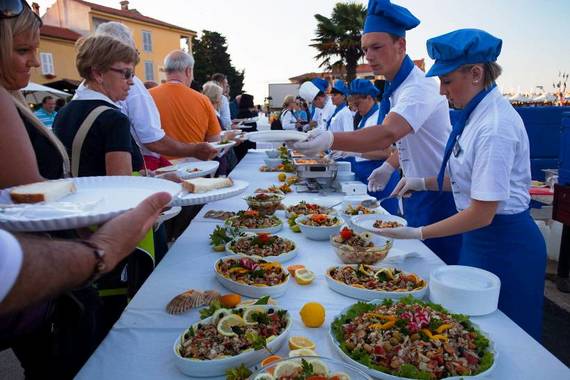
<point x="250" y="290"/>
<point x="366" y="222"/>
<point x="188" y="199"/>
<point x="183" y="169"/>
<point x="109" y="196"/>
<point x="222" y="146"/>
<point x="276" y="136"/>
<point x="218" y="367"/>
<point x="385" y="376"/>
<point x="280" y="258"/>
<point x="465" y="290"/>
<point x="367" y="294"/>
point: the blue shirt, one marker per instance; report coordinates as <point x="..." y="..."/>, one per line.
<point x="45" y="117"/>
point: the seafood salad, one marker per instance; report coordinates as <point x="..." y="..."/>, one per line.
<point x="386" y="224"/>
<point x="304" y="208"/>
<point x="321" y="220"/>
<point x="358" y="210"/>
<point x="232" y="332"/>
<point x="383" y="279"/>
<point x="349" y="237"/>
<point x="412" y="339"/>
<point x="262" y="244"/>
<point x="265" y="197"/>
<point x="252" y="272"/>
<point x="253" y="219"/>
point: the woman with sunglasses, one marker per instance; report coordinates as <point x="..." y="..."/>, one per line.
<point x="92" y="127"/>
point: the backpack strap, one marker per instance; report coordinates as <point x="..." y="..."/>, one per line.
<point x="80" y="137"/>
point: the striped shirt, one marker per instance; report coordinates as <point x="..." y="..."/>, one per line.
<point x="45" y="117"/>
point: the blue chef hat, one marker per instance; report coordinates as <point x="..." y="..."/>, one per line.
<point x="340" y="86"/>
<point x="363" y="87"/>
<point x="464" y="46"/>
<point x="321" y="84"/>
<point x="384" y="16"/>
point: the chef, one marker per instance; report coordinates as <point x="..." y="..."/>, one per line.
<point x="412" y="114"/>
<point x="315" y="93"/>
<point x="341" y="120"/>
<point x="488" y="170"/>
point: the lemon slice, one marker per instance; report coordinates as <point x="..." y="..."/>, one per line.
<point x="297" y="342"/>
<point x="304" y="276"/>
<point x="250" y="311"/>
<point x="302" y="352"/>
<point x="287" y="369"/>
<point x="319" y="367"/>
<point x="219" y="314"/>
<point x="388" y="271"/>
<point x="365" y="269"/>
<point x="226" y="324"/>
<point x="264" y="376"/>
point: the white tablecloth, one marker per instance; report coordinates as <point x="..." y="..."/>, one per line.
<point x="140" y="344"/>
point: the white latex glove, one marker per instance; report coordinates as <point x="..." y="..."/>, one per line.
<point x="336" y="154"/>
<point x="379" y="177"/>
<point x="408" y="185"/>
<point x="319" y="141"/>
<point x="402" y="232"/>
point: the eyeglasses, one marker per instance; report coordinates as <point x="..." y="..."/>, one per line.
<point x="127" y="73"/>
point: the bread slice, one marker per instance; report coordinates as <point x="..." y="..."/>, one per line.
<point x="202" y="185"/>
<point x="47" y="191"/>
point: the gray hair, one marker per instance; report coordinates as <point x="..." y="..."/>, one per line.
<point x="214" y="92"/>
<point x="117" y="30"/>
<point x="178" y="61"/>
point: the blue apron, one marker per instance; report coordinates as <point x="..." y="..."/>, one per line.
<point x="426" y="207"/>
<point x="363" y="169"/>
<point x="513" y="248"/>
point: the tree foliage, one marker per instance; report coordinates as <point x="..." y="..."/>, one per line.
<point x="337" y="39"/>
<point x="211" y="56"/>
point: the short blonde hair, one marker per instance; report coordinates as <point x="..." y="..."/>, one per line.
<point x="26" y="22"/>
<point x="100" y="52"/>
<point x="288" y="99"/>
<point x="213" y="91"/>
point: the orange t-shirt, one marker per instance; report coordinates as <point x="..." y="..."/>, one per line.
<point x="185" y="114"/>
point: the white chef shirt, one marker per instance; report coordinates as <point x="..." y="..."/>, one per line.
<point x="328" y="110"/>
<point x="494" y="162"/>
<point x="343" y="121"/>
<point x="418" y="101"/>
<point x="11" y="258"/>
<point x="318" y="117"/>
<point x="288" y="120"/>
<point x="370" y="122"/>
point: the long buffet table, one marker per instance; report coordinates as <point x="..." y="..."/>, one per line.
<point x="140" y="345"/>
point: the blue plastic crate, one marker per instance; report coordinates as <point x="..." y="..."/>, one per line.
<point x="564" y="170"/>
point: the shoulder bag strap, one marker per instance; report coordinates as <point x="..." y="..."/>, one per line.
<point x="80" y="137"/>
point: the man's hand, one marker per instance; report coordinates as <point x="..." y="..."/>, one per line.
<point x="119" y="236"/>
<point x="318" y="141"/>
<point x="204" y="151"/>
<point x="401" y="232"/>
<point x="408" y="185"/>
<point x="379" y="177"/>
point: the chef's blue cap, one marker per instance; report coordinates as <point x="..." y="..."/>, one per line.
<point x="321" y="84"/>
<point x="464" y="46"/>
<point x="363" y="87"/>
<point x="340" y="86"/>
<point x="383" y="16"/>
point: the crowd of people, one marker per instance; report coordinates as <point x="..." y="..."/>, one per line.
<point x="465" y="185"/>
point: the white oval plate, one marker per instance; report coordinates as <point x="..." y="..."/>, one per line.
<point x="109" y="196"/>
<point x="187" y="199"/>
<point x="222" y="146"/>
<point x="183" y="169"/>
<point x="276" y="136"/>
<point x="280" y="258"/>
<point x="367" y="294"/>
<point x="218" y="367"/>
<point x="366" y="222"/>
<point x="385" y="376"/>
<point x="250" y="290"/>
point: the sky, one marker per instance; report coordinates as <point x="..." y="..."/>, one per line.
<point x="270" y="39"/>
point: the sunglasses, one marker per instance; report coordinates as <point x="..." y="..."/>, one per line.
<point x="127" y="73"/>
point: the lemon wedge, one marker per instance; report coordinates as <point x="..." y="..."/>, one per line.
<point x="287" y="369"/>
<point x="302" y="352"/>
<point x="250" y="311"/>
<point x="299" y="342"/>
<point x="319" y="367"/>
<point x="227" y="323"/>
<point x="304" y="276"/>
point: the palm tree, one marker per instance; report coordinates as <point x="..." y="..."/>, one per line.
<point x="338" y="38"/>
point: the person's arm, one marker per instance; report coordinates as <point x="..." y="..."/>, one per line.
<point x="169" y="147"/>
<point x="381" y="154"/>
<point x="118" y="163"/>
<point x="52" y="266"/>
<point x="18" y="165"/>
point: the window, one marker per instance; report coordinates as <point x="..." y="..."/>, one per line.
<point x="148" y="70"/>
<point x="98" y="21"/>
<point x="147" y="41"/>
<point x="46" y="60"/>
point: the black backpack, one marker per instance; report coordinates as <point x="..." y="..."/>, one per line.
<point x="276" y="124"/>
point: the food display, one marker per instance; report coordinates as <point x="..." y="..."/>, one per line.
<point x="319" y="226"/>
<point x="358" y="248"/>
<point x="251" y="271"/>
<point x="320" y="220"/>
<point x="222" y="236"/>
<point x="255" y="222"/>
<point x="271" y="189"/>
<point x="264" y="203"/>
<point x="48" y="191"/>
<point x="305" y="368"/>
<point x="262" y="245"/>
<point x="411" y="339"/>
<point x="304" y="208"/>
<point x="312" y="161"/>
<point x="202" y="185"/>
<point x="358" y="210"/>
<point x="219" y="214"/>
<point x="383" y="279"/>
<point x="386" y="224"/>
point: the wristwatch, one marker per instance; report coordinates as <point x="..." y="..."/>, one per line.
<point x="100" y="265"/>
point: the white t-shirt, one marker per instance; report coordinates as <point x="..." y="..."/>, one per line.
<point x="418" y="101"/>
<point x="225" y="117"/>
<point x="494" y="162"/>
<point x="343" y="121"/>
<point x="370" y="122"/>
<point x="288" y="120"/>
<point x="11" y="258"/>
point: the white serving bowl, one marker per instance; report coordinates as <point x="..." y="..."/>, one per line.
<point x="264" y="207"/>
<point x="218" y="367"/>
<point x="272" y="153"/>
<point x="318" y="233"/>
<point x="348" y="218"/>
<point x="250" y="290"/>
<point x="333" y="366"/>
<point x="279" y="258"/>
<point x="465" y="290"/>
<point x="272" y="163"/>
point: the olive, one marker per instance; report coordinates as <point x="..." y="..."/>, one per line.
<point x="270" y="311"/>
